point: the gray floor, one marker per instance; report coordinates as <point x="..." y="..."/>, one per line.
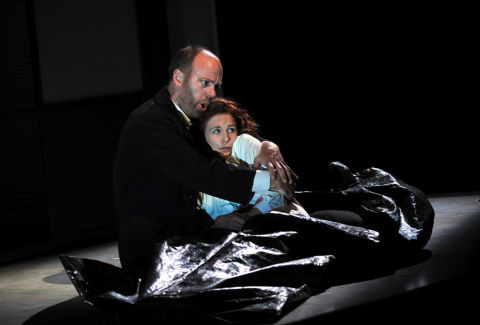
<point x="29" y="287"/>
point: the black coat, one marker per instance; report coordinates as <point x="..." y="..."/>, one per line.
<point x="159" y="170"/>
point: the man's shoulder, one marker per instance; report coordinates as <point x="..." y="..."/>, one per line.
<point x="157" y="107"/>
<point x="150" y="107"/>
<point x="151" y="116"/>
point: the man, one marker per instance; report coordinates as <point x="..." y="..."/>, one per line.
<point x="159" y="170"/>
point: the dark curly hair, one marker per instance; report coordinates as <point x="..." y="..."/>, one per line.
<point x="245" y="123"/>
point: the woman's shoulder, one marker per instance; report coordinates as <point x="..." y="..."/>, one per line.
<point x="247" y="139"/>
<point x="245" y="148"/>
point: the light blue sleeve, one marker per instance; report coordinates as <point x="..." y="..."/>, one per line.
<point x="270" y="200"/>
<point x="216" y="206"/>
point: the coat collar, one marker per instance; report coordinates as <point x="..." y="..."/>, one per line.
<point x="162" y="98"/>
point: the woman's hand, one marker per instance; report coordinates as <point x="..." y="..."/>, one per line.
<point x="271" y="157"/>
<point x="233" y="221"/>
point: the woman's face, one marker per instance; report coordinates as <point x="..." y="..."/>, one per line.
<point x="220" y="133"/>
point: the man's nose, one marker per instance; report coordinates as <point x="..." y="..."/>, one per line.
<point x="211" y="92"/>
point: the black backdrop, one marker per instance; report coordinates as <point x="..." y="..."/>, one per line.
<point x="388" y="86"/>
<point x="384" y="86"/>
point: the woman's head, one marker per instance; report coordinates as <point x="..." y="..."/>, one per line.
<point x="223" y="122"/>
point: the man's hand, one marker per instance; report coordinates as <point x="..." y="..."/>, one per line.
<point x="271" y="157"/>
<point x="287" y="189"/>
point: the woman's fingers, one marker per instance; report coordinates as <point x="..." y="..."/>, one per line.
<point x="232" y="221"/>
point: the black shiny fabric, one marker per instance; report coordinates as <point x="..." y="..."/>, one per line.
<point x="399" y="211"/>
<point x="275" y="263"/>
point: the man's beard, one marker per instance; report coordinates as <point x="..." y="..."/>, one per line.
<point x="186" y="103"/>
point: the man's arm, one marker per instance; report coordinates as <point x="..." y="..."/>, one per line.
<point x="165" y="150"/>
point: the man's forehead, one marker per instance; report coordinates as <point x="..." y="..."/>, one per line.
<point x="204" y="61"/>
<point x="210" y="74"/>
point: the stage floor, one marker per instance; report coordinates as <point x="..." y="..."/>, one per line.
<point x="434" y="286"/>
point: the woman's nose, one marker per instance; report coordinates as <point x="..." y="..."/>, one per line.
<point x="226" y="137"/>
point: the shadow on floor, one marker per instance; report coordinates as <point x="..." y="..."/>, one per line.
<point x="72" y="311"/>
<point x="59" y="278"/>
<point x="449" y="301"/>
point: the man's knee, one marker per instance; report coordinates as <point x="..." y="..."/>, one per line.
<point x="342" y="216"/>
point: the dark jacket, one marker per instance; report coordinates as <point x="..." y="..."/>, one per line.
<point x="159" y="169"/>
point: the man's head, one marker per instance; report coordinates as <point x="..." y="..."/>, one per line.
<point x="195" y="74"/>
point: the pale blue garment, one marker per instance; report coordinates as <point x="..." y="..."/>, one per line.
<point x="244" y="150"/>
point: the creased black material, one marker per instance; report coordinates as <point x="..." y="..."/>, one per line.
<point x="396" y="209"/>
<point x="276" y="262"/>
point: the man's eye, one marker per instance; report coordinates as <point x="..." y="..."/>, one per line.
<point x="205" y="83"/>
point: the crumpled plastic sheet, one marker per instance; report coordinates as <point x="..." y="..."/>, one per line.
<point x="398" y="210"/>
<point x="276" y="262"/>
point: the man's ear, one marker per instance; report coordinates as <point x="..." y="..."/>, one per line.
<point x="178" y="77"/>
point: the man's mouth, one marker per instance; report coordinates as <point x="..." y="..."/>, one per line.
<point x="203" y="106"/>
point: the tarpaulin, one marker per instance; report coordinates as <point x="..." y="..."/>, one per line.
<point x="277" y="261"/>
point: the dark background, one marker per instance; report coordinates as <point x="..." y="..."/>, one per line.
<point x="388" y="86"/>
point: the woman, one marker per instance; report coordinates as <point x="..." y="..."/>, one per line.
<point x="230" y="132"/>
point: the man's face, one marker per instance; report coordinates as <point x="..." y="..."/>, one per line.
<point x="200" y="85"/>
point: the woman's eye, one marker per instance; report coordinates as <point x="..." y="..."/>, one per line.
<point x="215" y="131"/>
<point x="232" y="130"/>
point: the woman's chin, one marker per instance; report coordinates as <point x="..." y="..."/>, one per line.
<point x="224" y="154"/>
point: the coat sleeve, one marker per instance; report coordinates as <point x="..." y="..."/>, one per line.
<point x="165" y="149"/>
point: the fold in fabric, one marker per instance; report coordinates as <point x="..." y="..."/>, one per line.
<point x="398" y="210"/>
<point x="232" y="280"/>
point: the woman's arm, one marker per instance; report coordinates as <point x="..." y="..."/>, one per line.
<point x="235" y="220"/>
